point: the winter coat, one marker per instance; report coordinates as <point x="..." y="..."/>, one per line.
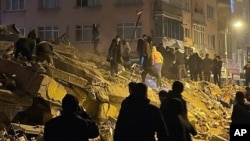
<point x="138" y="120"/>
<point x="114" y="52"/>
<point x="206" y="65"/>
<point x="195" y="63"/>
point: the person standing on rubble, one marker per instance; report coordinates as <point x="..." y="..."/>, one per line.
<point x="126" y="55"/>
<point x="247" y="73"/>
<point x="95" y="38"/>
<point x="147" y="66"/>
<point x="74" y="124"/>
<point x="114" y="55"/>
<point x="157" y="60"/>
<point x="207" y="63"/>
<point x="138" y="120"/>
<point x="176" y="93"/>
<point x="140" y="48"/>
<point x="216" y="69"/>
<point x="179" y="61"/>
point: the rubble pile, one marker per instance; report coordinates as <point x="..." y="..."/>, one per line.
<point x="87" y="77"/>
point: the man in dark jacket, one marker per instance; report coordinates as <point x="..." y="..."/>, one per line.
<point x="74" y="124"/>
<point x="247" y="73"/>
<point x="115" y="55"/>
<point x="180" y="63"/>
<point x="138" y="120"/>
<point x="216" y="69"/>
<point x="194" y="63"/>
<point x="175" y="93"/>
<point x="207" y="64"/>
<point x="140" y="48"/>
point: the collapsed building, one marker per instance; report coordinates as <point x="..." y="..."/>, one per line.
<point x="87" y="77"/>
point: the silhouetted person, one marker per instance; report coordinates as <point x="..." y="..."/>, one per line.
<point x="140" y="48"/>
<point x="206" y="65"/>
<point x="168" y="65"/>
<point x="194" y="63"/>
<point x="216" y="69"/>
<point x="180" y="63"/>
<point x="248" y="94"/>
<point x="95" y="38"/>
<point x="114" y="55"/>
<point x="126" y="54"/>
<point x="247" y="72"/>
<point x="131" y="87"/>
<point x="138" y="120"/>
<point x="241" y="113"/>
<point x="148" y="68"/>
<point x="177" y="89"/>
<point x="173" y="115"/>
<point x="73" y="124"/>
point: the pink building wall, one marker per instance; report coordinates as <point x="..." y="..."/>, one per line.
<point x="68" y="16"/>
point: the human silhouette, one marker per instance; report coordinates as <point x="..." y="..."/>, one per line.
<point x="241" y="113"/>
<point x="138" y="120"/>
<point x="73" y="124"/>
<point x="176" y="93"/>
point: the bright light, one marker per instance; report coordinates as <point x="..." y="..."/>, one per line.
<point x="238" y="24"/>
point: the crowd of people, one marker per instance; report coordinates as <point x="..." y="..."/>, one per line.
<point x="169" y="62"/>
<point x="138" y="119"/>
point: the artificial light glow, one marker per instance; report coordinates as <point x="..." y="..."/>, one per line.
<point x="238" y="24"/>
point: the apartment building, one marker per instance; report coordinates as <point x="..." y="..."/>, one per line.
<point x="191" y="21"/>
<point x="52" y="18"/>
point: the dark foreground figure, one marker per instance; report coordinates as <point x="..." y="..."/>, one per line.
<point x="138" y="120"/>
<point x="73" y="124"/>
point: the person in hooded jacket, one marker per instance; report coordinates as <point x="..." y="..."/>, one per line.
<point x="138" y="120"/>
<point x="157" y="60"/>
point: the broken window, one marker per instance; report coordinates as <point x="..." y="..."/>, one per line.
<point x="48" y="32"/>
<point x="50" y="3"/>
<point x="84" y="32"/>
<point x="126" y="30"/>
<point x="82" y="3"/>
<point x="14" y="5"/>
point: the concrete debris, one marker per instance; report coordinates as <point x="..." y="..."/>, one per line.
<point x="87" y="77"/>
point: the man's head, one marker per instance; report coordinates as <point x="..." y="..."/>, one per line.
<point x="144" y="36"/>
<point x="178" y="87"/>
<point x="118" y="38"/>
<point x="70" y="104"/>
<point x="140" y="91"/>
<point x="131" y="87"/>
<point x="240" y="96"/>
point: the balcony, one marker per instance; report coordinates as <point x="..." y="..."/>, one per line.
<point x="198" y="18"/>
<point x="169" y="8"/>
<point x="223" y="3"/>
